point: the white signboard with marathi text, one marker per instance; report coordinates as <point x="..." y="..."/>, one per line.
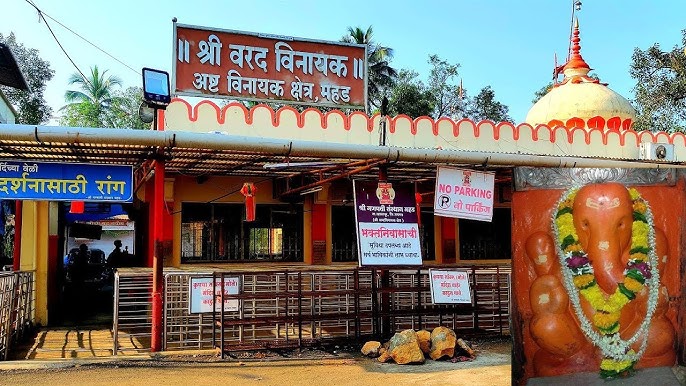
<point x="449" y="287"/>
<point x="464" y="194"/>
<point x="387" y="229"/>
<point x="202" y="295"/>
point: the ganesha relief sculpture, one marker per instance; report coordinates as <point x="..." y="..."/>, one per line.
<point x="596" y="299"/>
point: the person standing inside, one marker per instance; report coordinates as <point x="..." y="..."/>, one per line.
<point x="79" y="267"/>
<point x="114" y="260"/>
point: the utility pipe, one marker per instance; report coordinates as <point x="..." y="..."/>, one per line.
<point x="297" y="148"/>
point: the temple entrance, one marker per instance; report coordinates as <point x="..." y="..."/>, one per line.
<point x="93" y="245"/>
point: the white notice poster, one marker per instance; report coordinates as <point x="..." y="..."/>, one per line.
<point x="449" y="287"/>
<point x="202" y="295"/>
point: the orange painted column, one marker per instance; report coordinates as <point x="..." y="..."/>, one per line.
<point x="318" y="232"/>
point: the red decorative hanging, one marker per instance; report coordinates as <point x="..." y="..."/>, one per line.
<point x="248" y="190"/>
<point x="77" y="207"/>
<point x="418" y="202"/>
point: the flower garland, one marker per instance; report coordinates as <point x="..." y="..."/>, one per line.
<point x="641" y="270"/>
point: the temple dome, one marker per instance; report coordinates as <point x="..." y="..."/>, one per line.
<point x="580" y="100"/>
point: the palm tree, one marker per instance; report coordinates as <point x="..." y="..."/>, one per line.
<point x="380" y="74"/>
<point x="95" y="97"/>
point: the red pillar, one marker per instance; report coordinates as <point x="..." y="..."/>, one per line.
<point x="158" y="257"/>
<point x="157" y="227"/>
<point x="16" y="264"/>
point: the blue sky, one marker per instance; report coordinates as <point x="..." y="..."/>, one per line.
<point x="506" y="44"/>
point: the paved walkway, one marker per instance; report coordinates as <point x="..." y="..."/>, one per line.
<point x="77" y="342"/>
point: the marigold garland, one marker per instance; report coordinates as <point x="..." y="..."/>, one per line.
<point x="641" y="270"/>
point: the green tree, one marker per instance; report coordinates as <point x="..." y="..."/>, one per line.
<point x="543" y="91"/>
<point x="409" y="96"/>
<point x="447" y="94"/>
<point x="32" y="109"/>
<point x="380" y="74"/>
<point x="93" y="102"/>
<point x="485" y="106"/>
<point x="123" y="112"/>
<point x="124" y="109"/>
<point x="660" y="91"/>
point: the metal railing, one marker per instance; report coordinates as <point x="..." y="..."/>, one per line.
<point x="17" y="302"/>
<point x="293" y="308"/>
<point x="182" y="329"/>
<point x="132" y="319"/>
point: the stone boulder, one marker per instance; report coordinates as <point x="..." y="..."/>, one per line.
<point x="371" y="349"/>
<point x="404" y="348"/>
<point x="466" y="348"/>
<point x="443" y="342"/>
<point x="384" y="357"/>
<point x="424" y="339"/>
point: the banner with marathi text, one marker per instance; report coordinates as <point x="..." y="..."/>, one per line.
<point x="464" y="194"/>
<point x="387" y="229"/>
<point x="28" y="180"/>
<point x="262" y="67"/>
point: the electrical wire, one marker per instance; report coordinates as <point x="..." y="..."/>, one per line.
<point x="40" y="14"/>
<point x="84" y="39"/>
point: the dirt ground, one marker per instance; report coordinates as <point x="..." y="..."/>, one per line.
<point x="491" y="367"/>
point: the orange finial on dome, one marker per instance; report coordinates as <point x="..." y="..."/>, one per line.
<point x="580" y="101"/>
<point x="576" y="61"/>
<point x="576" y="69"/>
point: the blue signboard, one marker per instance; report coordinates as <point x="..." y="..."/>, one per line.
<point x="65" y="182"/>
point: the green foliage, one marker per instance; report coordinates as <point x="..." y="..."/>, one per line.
<point x="542" y="92"/>
<point x="380" y="75"/>
<point x="660" y="89"/>
<point x="124" y="109"/>
<point x="100" y="103"/>
<point x="447" y="96"/>
<point x="81" y="114"/>
<point x="485" y="106"/>
<point x="410" y="97"/>
<point x="32" y="109"/>
<point x="441" y="96"/>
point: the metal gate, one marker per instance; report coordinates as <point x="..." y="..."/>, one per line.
<point x="17" y="302"/>
<point x="294" y="308"/>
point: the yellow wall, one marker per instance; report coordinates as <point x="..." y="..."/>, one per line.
<point x="34" y="252"/>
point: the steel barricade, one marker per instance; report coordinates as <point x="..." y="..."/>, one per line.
<point x="297" y="307"/>
<point x="132" y="319"/>
<point x="17" y="308"/>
